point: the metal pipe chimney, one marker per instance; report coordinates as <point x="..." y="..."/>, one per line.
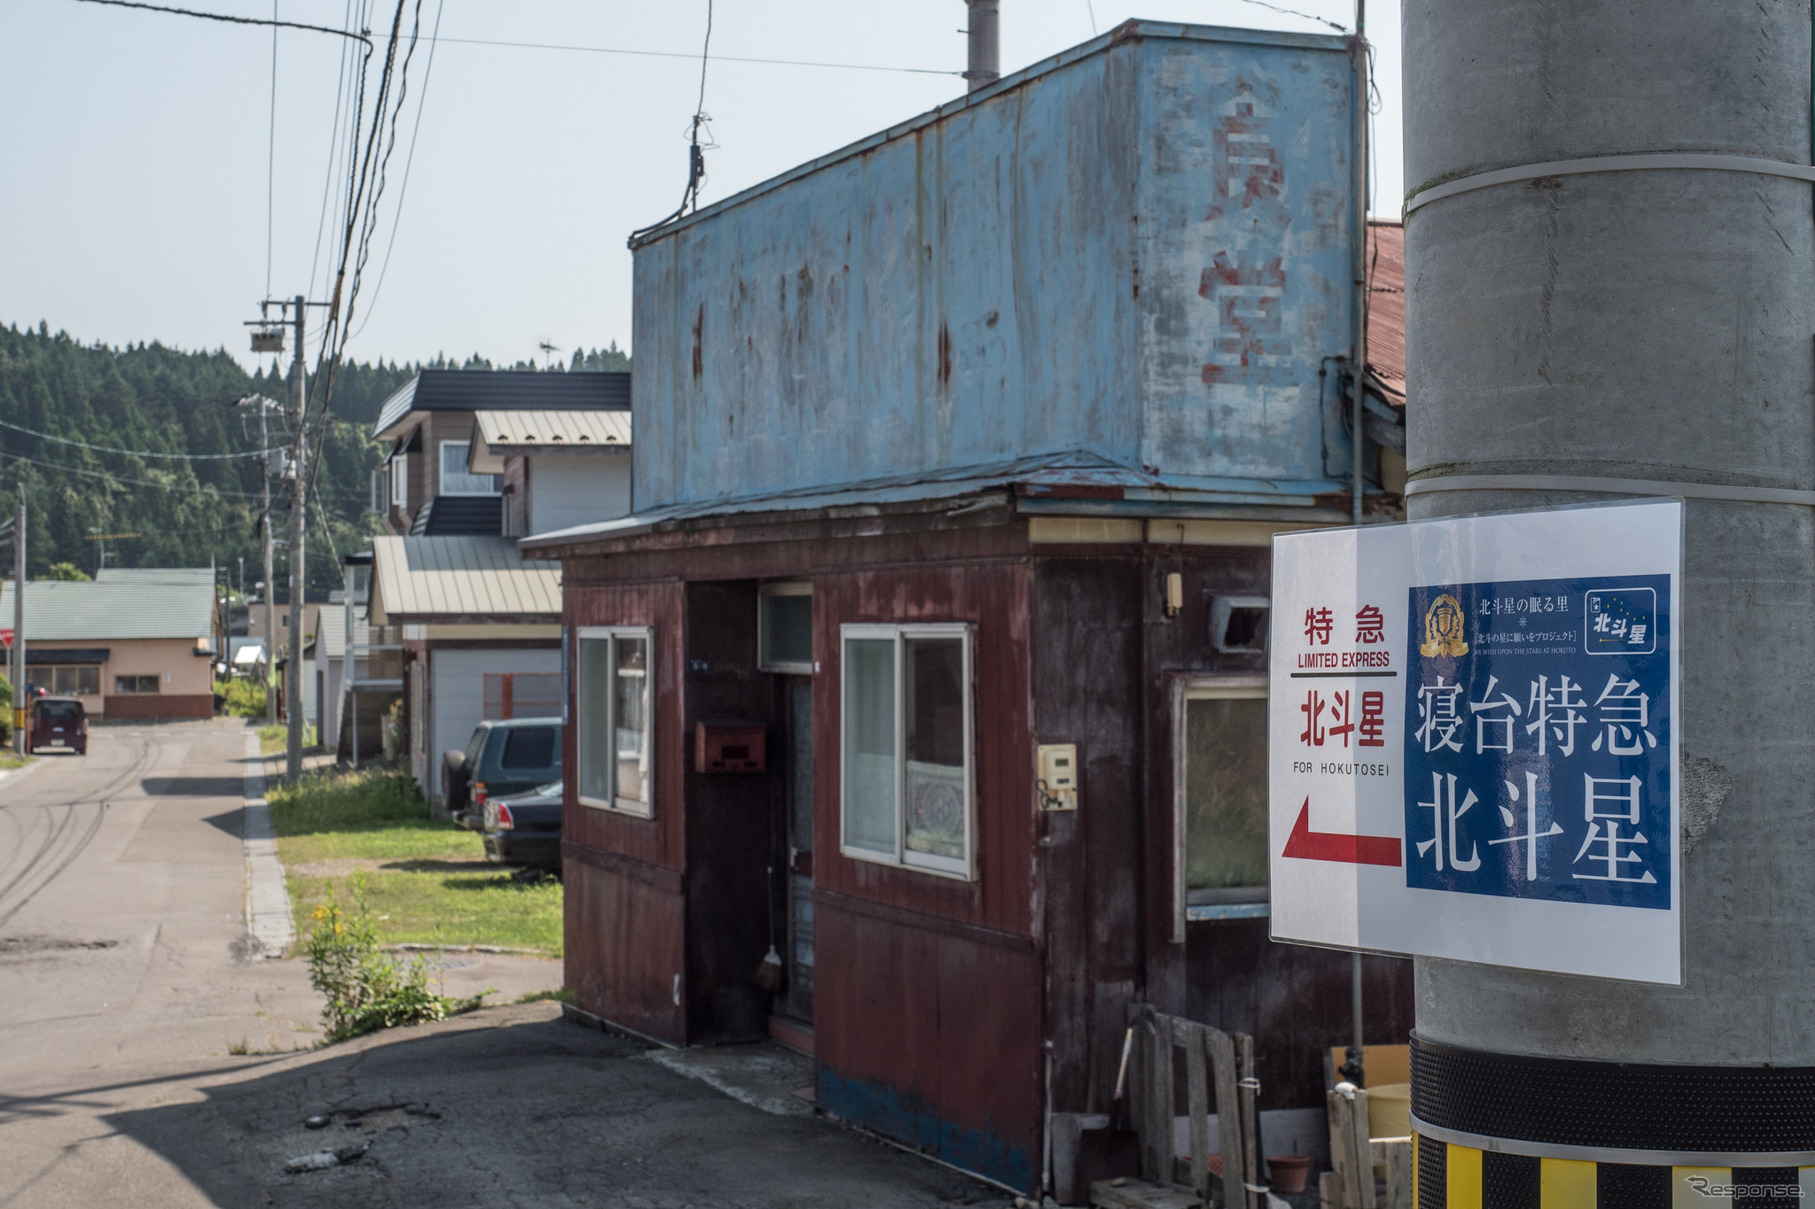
<point x="1576" y="317"/>
<point x="985" y="45"/>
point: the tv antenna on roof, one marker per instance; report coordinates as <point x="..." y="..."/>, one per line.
<point x="549" y="349"/>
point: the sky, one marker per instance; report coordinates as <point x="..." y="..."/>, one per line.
<point x="156" y="182"/>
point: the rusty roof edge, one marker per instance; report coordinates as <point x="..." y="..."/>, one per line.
<point x="1039" y="487"/>
<point x="1126" y="32"/>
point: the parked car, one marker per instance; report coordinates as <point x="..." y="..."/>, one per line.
<point x="57" y="723"/>
<point x="525" y="828"/>
<point x="501" y="758"/>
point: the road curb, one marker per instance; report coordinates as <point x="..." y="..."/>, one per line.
<point x="268" y="917"/>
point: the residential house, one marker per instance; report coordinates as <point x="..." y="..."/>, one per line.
<point x="431" y="423"/>
<point x="477" y="455"/>
<point x="134" y="644"/>
<point x="958" y="456"/>
<point x="480" y="630"/>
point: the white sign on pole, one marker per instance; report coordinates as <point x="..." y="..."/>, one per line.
<point x="1472" y="737"/>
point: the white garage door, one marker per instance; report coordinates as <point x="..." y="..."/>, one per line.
<point x="457" y="694"/>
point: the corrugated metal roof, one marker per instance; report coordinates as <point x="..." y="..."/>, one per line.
<point x="121" y="604"/>
<point x="1037" y="482"/>
<point x="501" y="390"/>
<point x="1386" y="305"/>
<point x="193" y="576"/>
<point x="520" y="431"/>
<point x="449" y="577"/>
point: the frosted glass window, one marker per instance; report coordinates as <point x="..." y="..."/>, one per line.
<point x="1226" y="792"/>
<point x="907" y="755"/>
<point x="869" y="745"/>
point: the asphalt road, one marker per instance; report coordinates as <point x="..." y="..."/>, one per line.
<point x="125" y="980"/>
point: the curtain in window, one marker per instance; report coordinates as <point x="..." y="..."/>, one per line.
<point x="933" y="787"/>
<point x="631" y="709"/>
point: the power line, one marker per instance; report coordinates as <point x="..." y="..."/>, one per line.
<point x="404" y="186"/>
<point x="117" y="478"/>
<point x="271" y="154"/>
<point x="696" y="157"/>
<point x="139" y="453"/>
<point x="231" y="20"/>
<point x="676" y="54"/>
<point x="1292" y="12"/>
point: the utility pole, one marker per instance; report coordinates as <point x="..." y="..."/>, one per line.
<point x="20" y="700"/>
<point x="270" y="556"/>
<point x="1598" y="314"/>
<point x="1355" y="1068"/>
<point x="269" y="337"/>
<point x="299" y="487"/>
<point x="1358" y="356"/>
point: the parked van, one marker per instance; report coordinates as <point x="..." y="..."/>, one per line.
<point x="57" y="724"/>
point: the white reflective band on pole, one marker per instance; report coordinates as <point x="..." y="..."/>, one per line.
<point x="1727" y="492"/>
<point x="1648" y="162"/>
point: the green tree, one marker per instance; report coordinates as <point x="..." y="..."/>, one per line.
<point x="67" y="572"/>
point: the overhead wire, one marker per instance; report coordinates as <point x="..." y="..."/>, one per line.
<point x="327" y="186"/>
<point x="228" y="18"/>
<point x="679" y="54"/>
<point x="696" y="159"/>
<point x="271" y="155"/>
<point x="403" y="186"/>
<point x="140" y="453"/>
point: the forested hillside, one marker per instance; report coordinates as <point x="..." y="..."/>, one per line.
<point x="151" y="399"/>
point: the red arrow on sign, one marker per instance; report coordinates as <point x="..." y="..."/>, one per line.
<point x="1308" y="845"/>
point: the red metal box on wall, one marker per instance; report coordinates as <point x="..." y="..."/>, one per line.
<point x="729" y="746"/>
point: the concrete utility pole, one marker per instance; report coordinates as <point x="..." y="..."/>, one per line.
<point x="299" y="487"/>
<point x="20" y="702"/>
<point x="984" y="28"/>
<point x="270" y="557"/>
<point x="1358" y="48"/>
<point x="1586" y="325"/>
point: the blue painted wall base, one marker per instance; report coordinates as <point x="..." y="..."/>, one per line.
<point x="908" y="1119"/>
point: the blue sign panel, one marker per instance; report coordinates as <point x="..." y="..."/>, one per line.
<point x="1537" y="740"/>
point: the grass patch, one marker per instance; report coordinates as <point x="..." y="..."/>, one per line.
<point x="484" y="907"/>
<point x="426" y="881"/>
<point x="276" y="737"/>
<point x="564" y="995"/>
<point x="357" y="801"/>
<point x="8" y="760"/>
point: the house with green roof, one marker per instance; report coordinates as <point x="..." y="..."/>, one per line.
<point x="135" y="644"/>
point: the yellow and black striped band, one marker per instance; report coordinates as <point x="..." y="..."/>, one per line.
<point x="1451" y="1176"/>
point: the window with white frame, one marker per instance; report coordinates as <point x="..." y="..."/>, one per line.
<point x="908" y="754"/>
<point x="456" y="480"/>
<point x="615" y="736"/>
<point x="1220" y="805"/>
<point x="400" y="480"/>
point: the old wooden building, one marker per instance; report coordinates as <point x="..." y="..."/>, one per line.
<point x="958" y="456"/>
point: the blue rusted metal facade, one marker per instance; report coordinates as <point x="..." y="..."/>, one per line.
<point x="1131" y="260"/>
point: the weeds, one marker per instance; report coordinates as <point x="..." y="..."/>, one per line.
<point x="346" y="802"/>
<point x="564" y="995"/>
<point x="367" y="990"/>
<point x="244" y="696"/>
